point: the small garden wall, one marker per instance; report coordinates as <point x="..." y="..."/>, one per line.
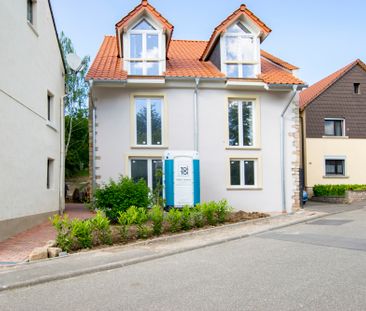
<point x="339" y="194"/>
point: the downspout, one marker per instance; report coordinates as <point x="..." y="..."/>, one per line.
<point x="93" y="117"/>
<point x="195" y="113"/>
<point x="283" y="164"/>
<point x="62" y="156"/>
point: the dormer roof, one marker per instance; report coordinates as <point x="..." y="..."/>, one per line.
<point x="143" y="9"/>
<point x="243" y="11"/>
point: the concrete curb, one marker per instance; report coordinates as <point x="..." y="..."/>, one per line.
<point x="125" y="263"/>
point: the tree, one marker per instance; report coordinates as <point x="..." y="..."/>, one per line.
<point x="76" y="87"/>
<point x="76" y="112"/>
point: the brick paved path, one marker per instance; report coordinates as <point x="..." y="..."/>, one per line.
<point x="18" y="247"/>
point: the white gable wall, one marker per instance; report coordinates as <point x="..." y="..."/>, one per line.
<point x="31" y="66"/>
<point x="113" y="141"/>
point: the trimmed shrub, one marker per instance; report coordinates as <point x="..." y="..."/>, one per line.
<point x="101" y="228"/>
<point x="223" y="211"/>
<point x="142" y="229"/>
<point x="209" y="212"/>
<point x="116" y="197"/>
<point x="186" y="221"/>
<point x="173" y="218"/>
<point x="197" y="217"/>
<point x="81" y="230"/>
<point x="335" y="190"/>
<point x="64" y="238"/>
<point x="156" y="215"/>
<point x="126" y="219"/>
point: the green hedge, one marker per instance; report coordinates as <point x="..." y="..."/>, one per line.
<point x="118" y="196"/>
<point x="335" y="190"/>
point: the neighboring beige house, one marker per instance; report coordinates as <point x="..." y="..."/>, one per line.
<point x="333" y="111"/>
<point x="225" y="98"/>
<point x="31" y="111"/>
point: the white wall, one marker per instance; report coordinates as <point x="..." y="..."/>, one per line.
<point x="113" y="140"/>
<point x="31" y="66"/>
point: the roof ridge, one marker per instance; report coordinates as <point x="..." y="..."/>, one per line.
<point x="277" y="60"/>
<point x="188" y="40"/>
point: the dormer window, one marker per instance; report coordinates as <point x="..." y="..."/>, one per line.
<point x="240" y="51"/>
<point x="145" y="49"/>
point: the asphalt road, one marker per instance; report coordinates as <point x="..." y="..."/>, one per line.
<point x="316" y="266"/>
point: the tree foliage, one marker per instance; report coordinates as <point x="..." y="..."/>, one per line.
<point x="76" y="112"/>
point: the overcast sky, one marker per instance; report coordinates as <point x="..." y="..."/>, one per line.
<point x="319" y="36"/>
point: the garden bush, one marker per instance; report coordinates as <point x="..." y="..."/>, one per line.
<point x="116" y="197"/>
<point x="101" y="229"/>
<point x="209" y="212"/>
<point x="186" y="219"/>
<point x="197" y="217"/>
<point x="142" y="229"/>
<point x="223" y="210"/>
<point x="156" y="215"/>
<point x="81" y="230"/>
<point x="335" y="190"/>
<point x="64" y="238"/>
<point x="173" y="218"/>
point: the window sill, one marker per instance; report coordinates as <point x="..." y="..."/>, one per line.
<point x="231" y="188"/>
<point x="336" y="137"/>
<point x="335" y="177"/>
<point x="243" y="148"/>
<point x="33" y="28"/>
<point x="52" y="126"/>
<point x="149" y="147"/>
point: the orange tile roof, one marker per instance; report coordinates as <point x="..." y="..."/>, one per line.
<point x="243" y="10"/>
<point x="311" y="93"/>
<point x="145" y="5"/>
<point x="183" y="61"/>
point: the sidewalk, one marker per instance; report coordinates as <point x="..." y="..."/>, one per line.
<point x="119" y="256"/>
<point x="17" y="248"/>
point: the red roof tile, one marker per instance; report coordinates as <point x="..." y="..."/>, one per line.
<point x="308" y="95"/>
<point x="183" y="61"/>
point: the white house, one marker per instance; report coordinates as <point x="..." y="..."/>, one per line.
<point x="234" y="103"/>
<point x="31" y="110"/>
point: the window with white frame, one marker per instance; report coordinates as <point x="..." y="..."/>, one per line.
<point x="241" y="123"/>
<point x="240" y="52"/>
<point x="334" y="127"/>
<point x="145" y="50"/>
<point x="243" y="172"/>
<point x="147" y="169"/>
<point x="149" y="121"/>
<point x="335" y="167"/>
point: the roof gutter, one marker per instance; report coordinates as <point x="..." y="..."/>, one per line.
<point x="282" y="151"/>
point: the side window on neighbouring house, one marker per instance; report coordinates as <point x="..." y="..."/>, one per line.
<point x="50" y="107"/>
<point x="144" y="50"/>
<point x="50" y="173"/>
<point x="334" y="167"/>
<point x="356" y="88"/>
<point x="149" y="114"/>
<point x="241" y="123"/>
<point x="334" y="127"/>
<point x="148" y="170"/>
<point x="242" y="172"/>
